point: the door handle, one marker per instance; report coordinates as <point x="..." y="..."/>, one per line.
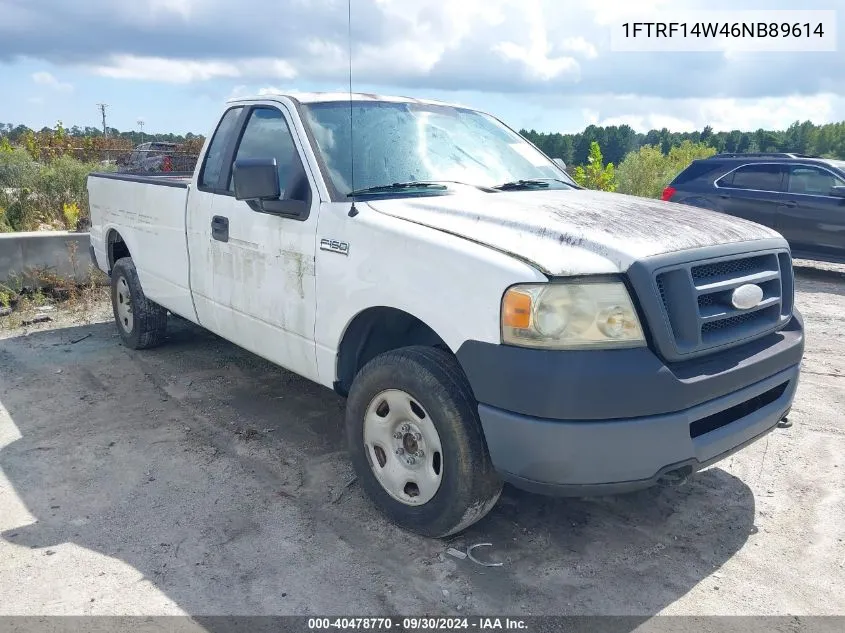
<point x="220" y="228"/>
<point x="790" y="205"/>
<point x="724" y="196"/>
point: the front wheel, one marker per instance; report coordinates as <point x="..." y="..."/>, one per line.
<point x="416" y="442"/>
<point x="141" y="323"/>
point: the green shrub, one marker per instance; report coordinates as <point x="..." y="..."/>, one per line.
<point x="644" y="172"/>
<point x="5" y="227"/>
<point x="647" y="171"/>
<point x="50" y="195"/>
<point x="20" y="209"/>
<point x="682" y="155"/>
<point x="63" y="182"/>
<point x="17" y="169"/>
<point x="595" y="174"/>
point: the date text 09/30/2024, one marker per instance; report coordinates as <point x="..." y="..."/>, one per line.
<point x="418" y="623"/>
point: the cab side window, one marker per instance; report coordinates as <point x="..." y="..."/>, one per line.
<point x="267" y="135"/>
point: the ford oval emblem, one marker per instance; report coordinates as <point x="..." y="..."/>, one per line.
<point x="746" y="296"/>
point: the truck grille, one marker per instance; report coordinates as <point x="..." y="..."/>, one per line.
<point x="696" y="299"/>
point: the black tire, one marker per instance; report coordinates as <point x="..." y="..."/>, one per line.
<point x="148" y="319"/>
<point x="469" y="486"/>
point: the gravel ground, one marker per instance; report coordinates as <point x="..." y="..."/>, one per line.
<point x="198" y="479"/>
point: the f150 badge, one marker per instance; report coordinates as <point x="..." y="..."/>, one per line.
<point x="334" y="246"/>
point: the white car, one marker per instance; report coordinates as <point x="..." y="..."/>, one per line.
<point x="488" y="320"/>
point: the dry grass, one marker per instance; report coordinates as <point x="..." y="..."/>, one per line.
<point x="39" y="293"/>
<point x="81" y="305"/>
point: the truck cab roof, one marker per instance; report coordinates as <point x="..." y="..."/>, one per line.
<point x="325" y="97"/>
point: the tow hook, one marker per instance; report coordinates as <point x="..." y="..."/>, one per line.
<point x="676" y="477"/>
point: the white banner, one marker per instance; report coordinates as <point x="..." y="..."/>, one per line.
<point x="720" y="31"/>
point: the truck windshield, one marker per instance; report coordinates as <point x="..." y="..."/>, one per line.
<point x="396" y="142"/>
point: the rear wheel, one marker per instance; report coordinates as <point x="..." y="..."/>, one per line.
<point x="141" y="323"/>
<point x="416" y="442"/>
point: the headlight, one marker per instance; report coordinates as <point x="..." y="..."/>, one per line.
<point x="570" y="315"/>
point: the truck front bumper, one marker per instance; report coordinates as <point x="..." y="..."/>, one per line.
<point x="581" y="423"/>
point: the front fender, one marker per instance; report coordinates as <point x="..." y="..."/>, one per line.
<point x="451" y="284"/>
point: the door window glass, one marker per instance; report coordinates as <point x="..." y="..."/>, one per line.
<point x="757" y="177"/>
<point x="267" y="135"/>
<point x="812" y="180"/>
<point x="214" y="157"/>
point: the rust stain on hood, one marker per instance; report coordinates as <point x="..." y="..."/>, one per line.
<point x="569" y="232"/>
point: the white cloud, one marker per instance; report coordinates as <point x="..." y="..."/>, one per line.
<point x="731" y="114"/>
<point x="164" y="70"/>
<point x="537" y="62"/>
<point x="654" y="121"/>
<point x="608" y="12"/>
<point x="43" y="78"/>
<point x="580" y="45"/>
<point x="273" y="90"/>
<point x="182" y="8"/>
<point x="685" y="115"/>
<point x="591" y="117"/>
<point x="535" y="53"/>
<point x="238" y="91"/>
<point x="191" y="70"/>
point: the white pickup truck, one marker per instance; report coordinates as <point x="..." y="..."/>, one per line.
<point x="487" y="319"/>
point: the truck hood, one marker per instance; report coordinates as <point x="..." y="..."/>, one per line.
<point x="574" y="232"/>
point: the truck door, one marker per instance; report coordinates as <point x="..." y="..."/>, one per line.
<point x="253" y="272"/>
<point x="810" y="217"/>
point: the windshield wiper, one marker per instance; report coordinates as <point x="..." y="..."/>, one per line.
<point x="398" y="186"/>
<point x="528" y="183"/>
<point x="435" y="185"/>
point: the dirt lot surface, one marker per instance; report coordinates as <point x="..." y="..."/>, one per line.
<point x="197" y="478"/>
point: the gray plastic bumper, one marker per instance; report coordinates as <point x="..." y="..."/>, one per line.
<point x="588" y="457"/>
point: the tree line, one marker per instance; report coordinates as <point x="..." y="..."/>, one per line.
<point x="17" y="133"/>
<point x="616" y="142"/>
<point x="42" y="173"/>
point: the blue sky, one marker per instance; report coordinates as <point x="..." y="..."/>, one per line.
<point x="543" y="64"/>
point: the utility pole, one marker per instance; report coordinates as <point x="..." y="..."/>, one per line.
<point x="103" y="107"/>
<point x="141" y="127"/>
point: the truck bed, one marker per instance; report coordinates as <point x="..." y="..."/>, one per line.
<point x="147" y="212"/>
<point x="169" y="179"/>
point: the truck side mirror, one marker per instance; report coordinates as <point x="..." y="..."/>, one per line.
<point x="559" y="162"/>
<point x="838" y="191"/>
<point x="256" y="179"/>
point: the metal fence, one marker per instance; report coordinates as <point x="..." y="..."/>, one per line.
<point x="145" y="161"/>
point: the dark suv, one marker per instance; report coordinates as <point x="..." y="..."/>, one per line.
<point x="801" y="197"/>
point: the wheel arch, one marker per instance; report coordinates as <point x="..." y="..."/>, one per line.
<point x="376" y="330"/>
<point x="116" y="247"/>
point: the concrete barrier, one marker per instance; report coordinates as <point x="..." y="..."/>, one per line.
<point x="61" y="253"/>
